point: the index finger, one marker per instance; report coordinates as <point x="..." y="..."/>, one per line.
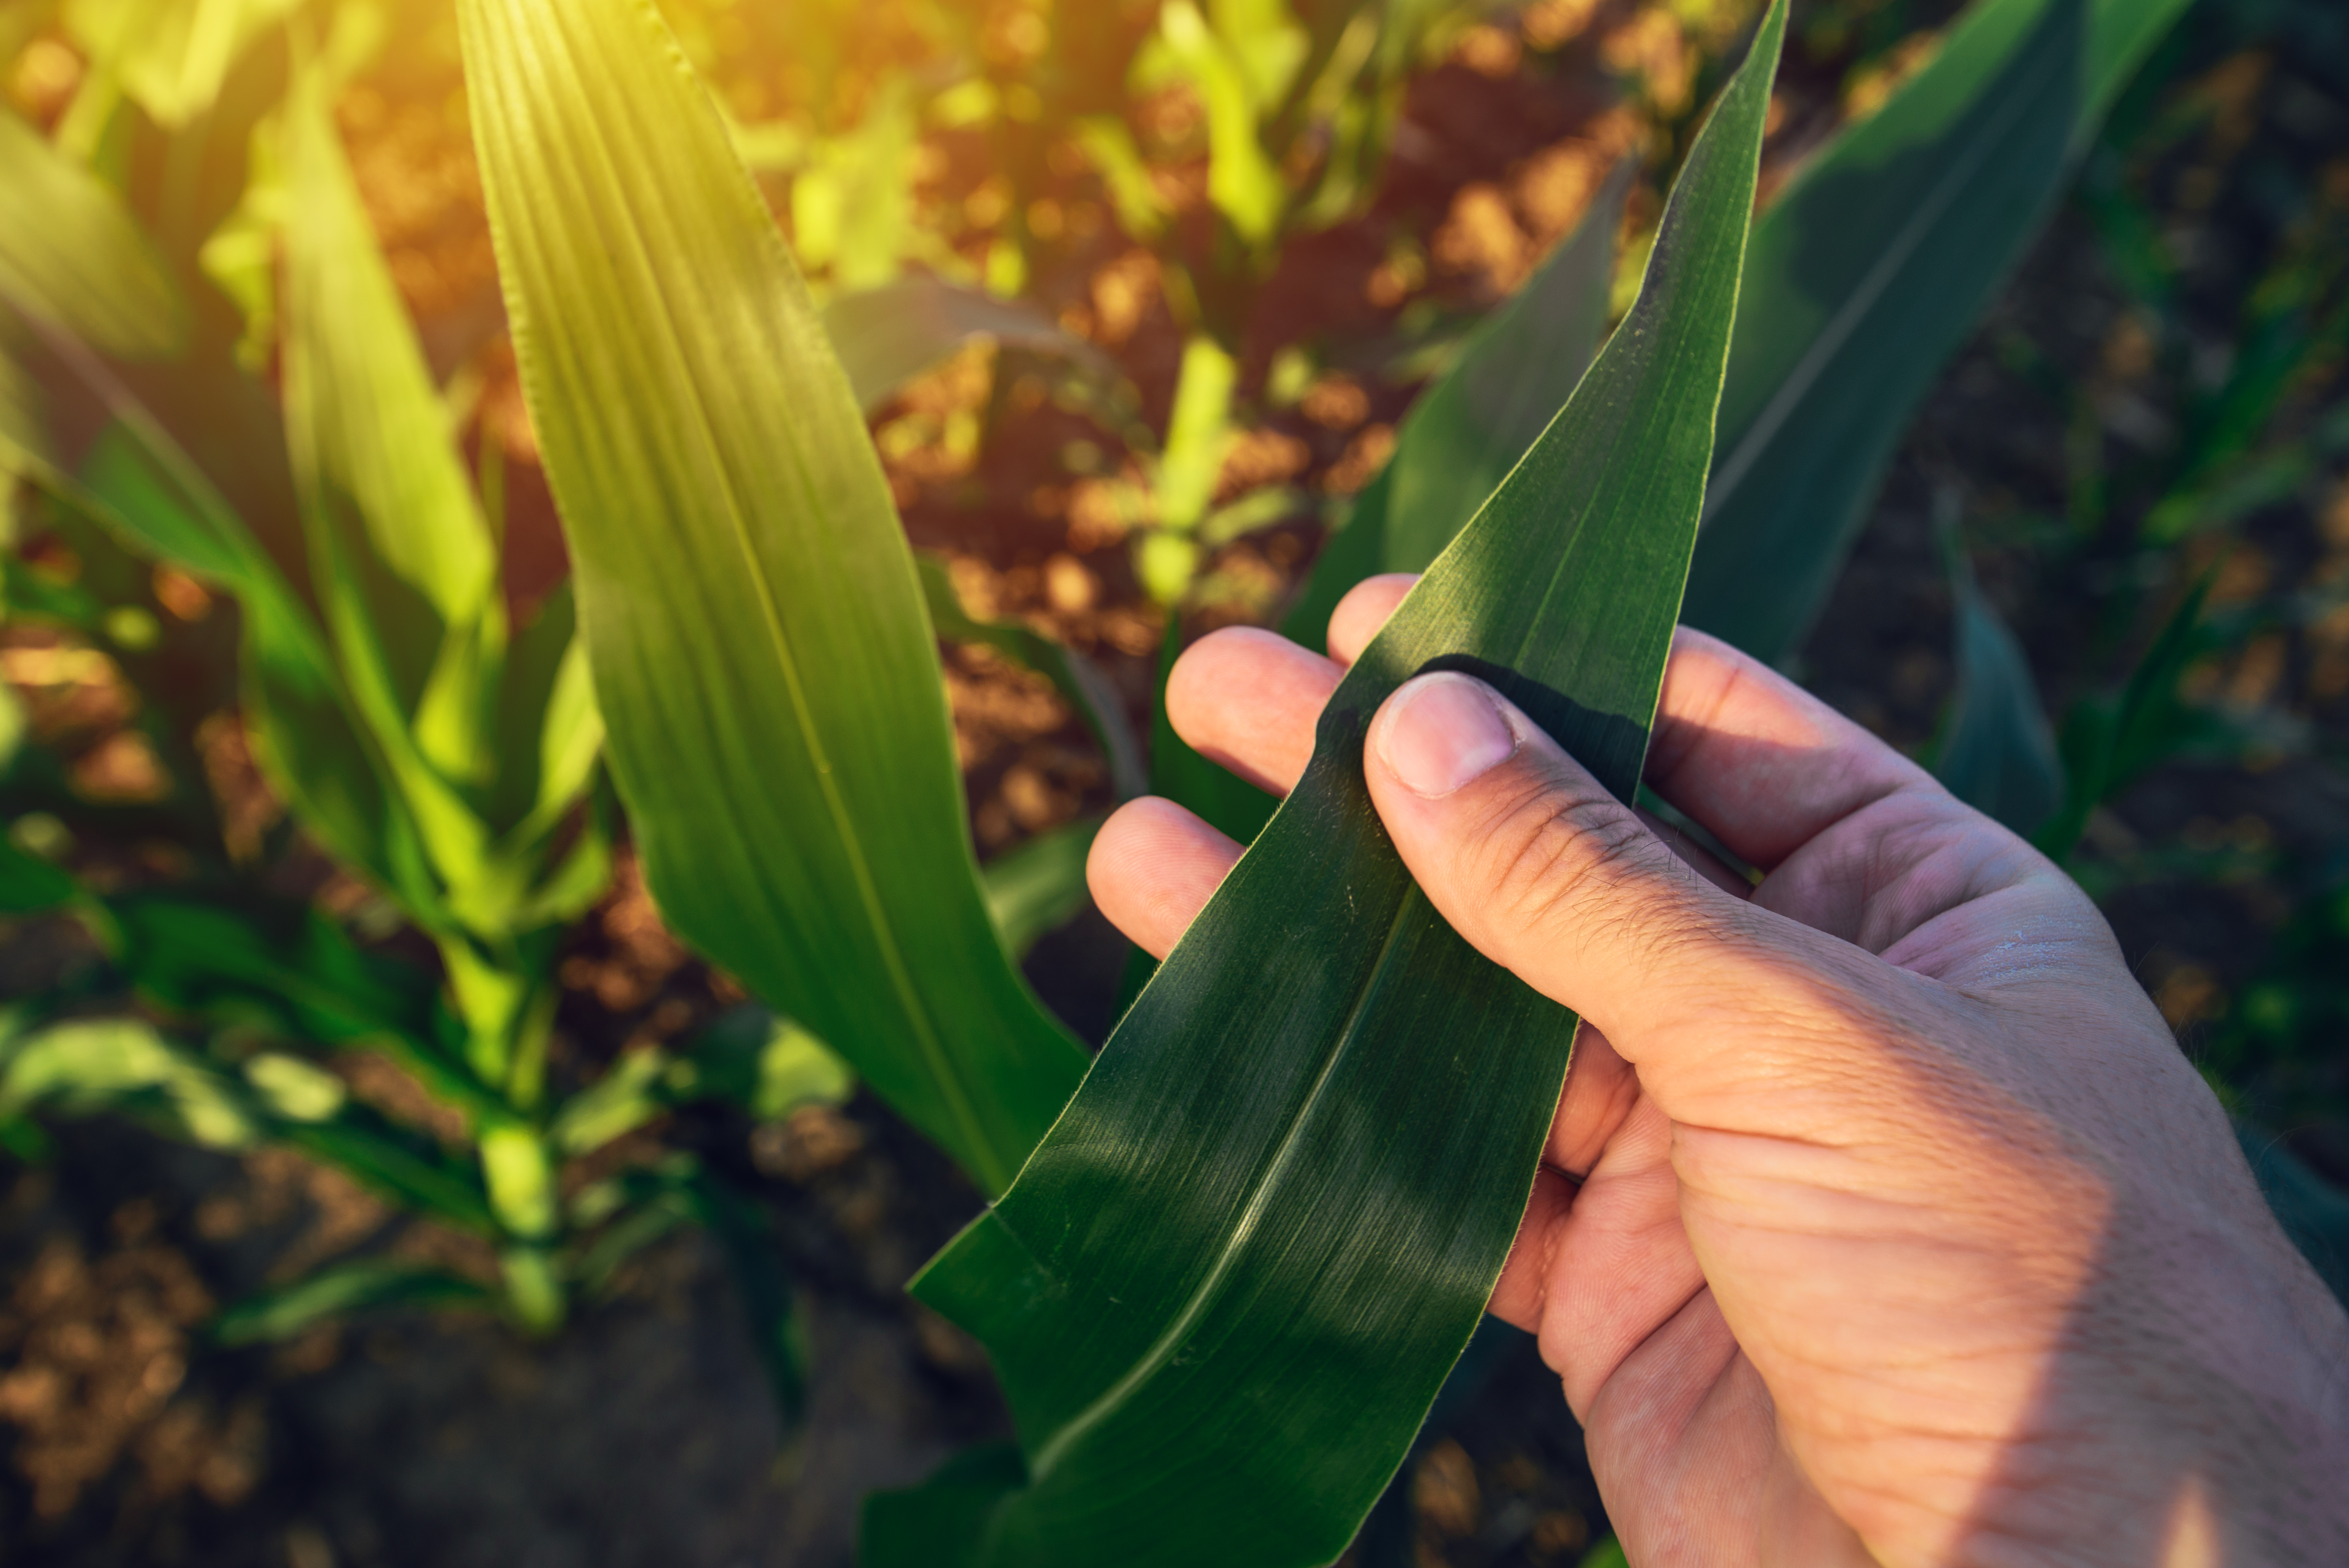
<point x="1757" y="761"/>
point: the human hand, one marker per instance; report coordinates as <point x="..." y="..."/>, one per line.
<point x="1882" y="1220"/>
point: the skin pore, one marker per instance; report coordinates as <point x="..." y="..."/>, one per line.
<point x="1882" y="1221"/>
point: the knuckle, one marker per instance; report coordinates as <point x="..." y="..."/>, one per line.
<point x="1555" y="854"/>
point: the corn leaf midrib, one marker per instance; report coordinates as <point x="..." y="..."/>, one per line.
<point x="1170" y="1340"/>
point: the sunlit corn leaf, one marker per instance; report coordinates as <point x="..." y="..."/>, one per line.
<point x="1232" y="67"/>
<point x="887" y="335"/>
<point x="1867" y="272"/>
<point x="1997" y="751"/>
<point x="1463" y="433"/>
<point x="400" y="557"/>
<point x="169" y="56"/>
<point x="753" y="617"/>
<point x="1228" y="1284"/>
<point x="340" y="1289"/>
<point x="1038" y="886"/>
<point x="72" y="256"/>
<point x="1079" y="680"/>
<point x="853" y="203"/>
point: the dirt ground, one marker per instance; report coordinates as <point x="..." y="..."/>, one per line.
<point x="643" y="1433"/>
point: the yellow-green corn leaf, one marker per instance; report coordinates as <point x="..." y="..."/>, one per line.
<point x="1867" y="272"/>
<point x="72" y="255"/>
<point x="1243" y="182"/>
<point x="853" y="205"/>
<point x="778" y="728"/>
<point x="169" y="57"/>
<point x="400" y="556"/>
<point x="1225" y="1289"/>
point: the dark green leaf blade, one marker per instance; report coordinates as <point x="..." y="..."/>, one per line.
<point x="1228" y="1284"/>
<point x="1869" y="271"/>
<point x="777" y="724"/>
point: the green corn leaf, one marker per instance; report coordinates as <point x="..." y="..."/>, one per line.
<point x="1079" y="680"/>
<point x="1039" y="886"/>
<point x="887" y="335"/>
<point x="169" y="57"/>
<point x="400" y="556"/>
<point x="1997" y="750"/>
<point x="397" y="1163"/>
<point x="1465" y="432"/>
<point x="136" y="484"/>
<point x="294" y="975"/>
<point x="83" y="1066"/>
<point x="1243" y="182"/>
<point x="546" y="689"/>
<point x="1231" y="1280"/>
<point x="753" y="617"/>
<point x="852" y="206"/>
<point x="2108" y="740"/>
<point x="71" y="254"/>
<point x="29" y="884"/>
<point x="339" y="1290"/>
<point x="1867" y="272"/>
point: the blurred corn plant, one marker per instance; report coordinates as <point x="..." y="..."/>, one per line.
<point x="1285" y="111"/>
<point x="437" y="744"/>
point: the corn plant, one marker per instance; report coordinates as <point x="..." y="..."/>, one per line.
<point x="763" y="662"/>
<point x="763" y="646"/>
<point x="438" y="746"/>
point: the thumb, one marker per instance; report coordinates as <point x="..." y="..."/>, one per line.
<point x="1555" y="880"/>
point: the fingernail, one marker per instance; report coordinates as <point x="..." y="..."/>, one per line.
<point x="1442" y="731"/>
